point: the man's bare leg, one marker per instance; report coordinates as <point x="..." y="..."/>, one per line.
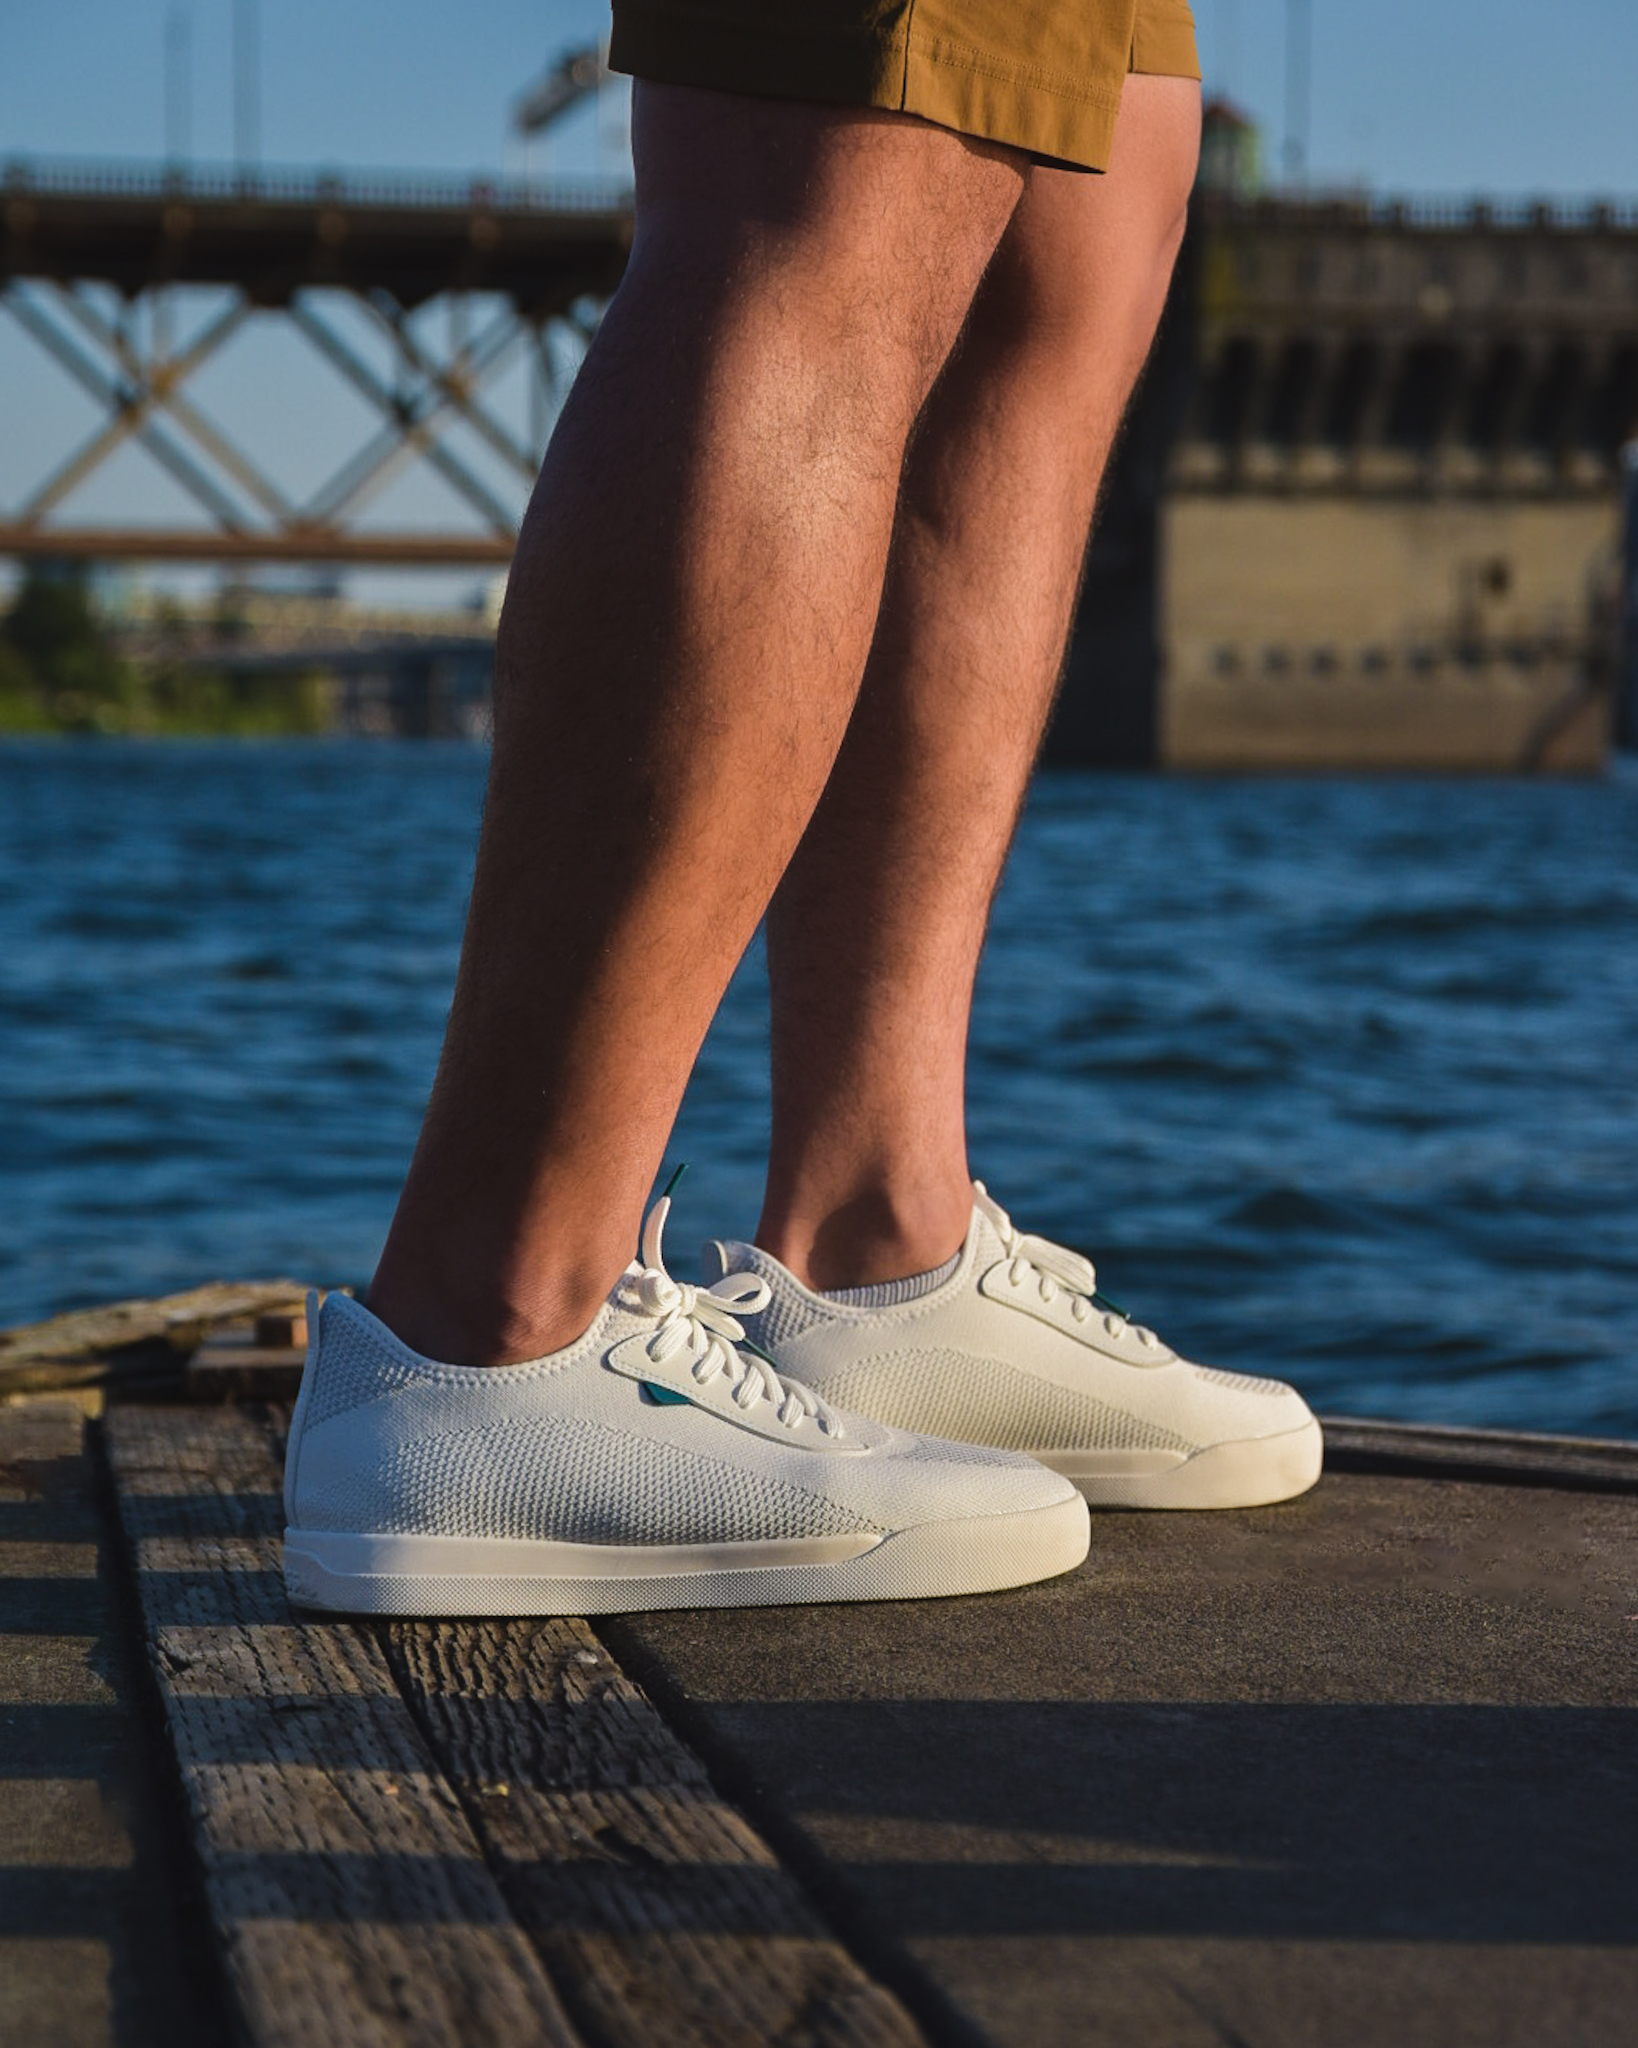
<point x="874" y="936"/>
<point x="687" y="623"/>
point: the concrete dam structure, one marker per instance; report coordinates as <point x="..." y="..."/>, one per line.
<point x="1365" y="512"/>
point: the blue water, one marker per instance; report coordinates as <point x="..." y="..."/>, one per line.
<point x="1336" y="1078"/>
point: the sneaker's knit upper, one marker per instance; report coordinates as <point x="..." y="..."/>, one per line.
<point x="957" y="1394"/>
<point x="653" y="1428"/>
<point x="1015" y="1348"/>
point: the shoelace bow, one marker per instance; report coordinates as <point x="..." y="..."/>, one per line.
<point x="1055" y="1266"/>
<point x="701" y="1321"/>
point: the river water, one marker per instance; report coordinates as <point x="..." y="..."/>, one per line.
<point x="1335" y="1078"/>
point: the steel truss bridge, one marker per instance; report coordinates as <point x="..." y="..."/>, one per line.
<point x="105" y="272"/>
<point x="1327" y="346"/>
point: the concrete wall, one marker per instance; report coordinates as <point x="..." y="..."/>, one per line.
<point x="1378" y="633"/>
<point x="1353" y="572"/>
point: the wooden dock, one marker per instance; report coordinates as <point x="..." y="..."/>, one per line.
<point x="1357" y="1770"/>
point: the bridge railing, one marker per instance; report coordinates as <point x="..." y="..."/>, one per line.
<point x="1467" y="215"/>
<point x="68" y="179"/>
<point x="295" y="185"/>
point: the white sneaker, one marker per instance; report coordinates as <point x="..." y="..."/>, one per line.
<point x="1016" y="1348"/>
<point x="651" y="1464"/>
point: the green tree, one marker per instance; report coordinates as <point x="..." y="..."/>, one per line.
<point x="52" y="630"/>
<point x="22" y="702"/>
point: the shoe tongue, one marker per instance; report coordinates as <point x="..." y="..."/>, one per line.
<point x="986" y="1239"/>
<point x="623" y="1319"/>
<point x="721" y="1256"/>
<point x="986" y="1206"/>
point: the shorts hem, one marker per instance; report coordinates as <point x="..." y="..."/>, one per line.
<point x="1166" y="49"/>
<point x="1048" y="116"/>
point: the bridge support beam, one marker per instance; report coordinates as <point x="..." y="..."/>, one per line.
<point x="104" y="271"/>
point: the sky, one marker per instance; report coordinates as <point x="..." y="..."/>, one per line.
<point x="1419" y="97"/>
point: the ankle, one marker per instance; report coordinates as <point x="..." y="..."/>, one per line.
<point x="874" y="1233"/>
<point x="459" y="1325"/>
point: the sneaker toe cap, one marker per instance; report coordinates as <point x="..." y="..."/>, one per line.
<point x="933" y="1478"/>
<point x="1237" y="1407"/>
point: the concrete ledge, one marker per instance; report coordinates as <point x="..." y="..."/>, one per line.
<point x="1581" y="1464"/>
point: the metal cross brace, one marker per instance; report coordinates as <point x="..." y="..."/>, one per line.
<point x="141" y="389"/>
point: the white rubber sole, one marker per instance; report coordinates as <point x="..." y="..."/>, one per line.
<point x="1252" y="1474"/>
<point x="427" y="1576"/>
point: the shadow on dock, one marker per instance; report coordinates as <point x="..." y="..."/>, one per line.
<point x="1358" y="1769"/>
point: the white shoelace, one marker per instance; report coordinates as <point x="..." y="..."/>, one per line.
<point x="1054" y="1267"/>
<point x="701" y="1321"/>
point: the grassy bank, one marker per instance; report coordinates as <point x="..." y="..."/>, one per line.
<point x="61" y="672"/>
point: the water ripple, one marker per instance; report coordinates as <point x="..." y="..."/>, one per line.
<point x="1334" y="1077"/>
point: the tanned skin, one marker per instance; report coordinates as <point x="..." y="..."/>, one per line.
<point x="787" y="614"/>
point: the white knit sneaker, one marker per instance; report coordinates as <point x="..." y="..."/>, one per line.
<point x="1016" y="1348"/>
<point x="651" y="1464"/>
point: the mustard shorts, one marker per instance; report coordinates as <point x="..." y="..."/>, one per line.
<point x="1042" y="76"/>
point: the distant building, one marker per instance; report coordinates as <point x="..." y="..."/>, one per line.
<point x="1230" y="151"/>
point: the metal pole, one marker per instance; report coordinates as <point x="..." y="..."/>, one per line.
<point x="178" y="86"/>
<point x="1298" y="65"/>
<point x="1228" y="47"/>
<point x="1626" y="684"/>
<point x="247" y="90"/>
<point x="178" y="148"/>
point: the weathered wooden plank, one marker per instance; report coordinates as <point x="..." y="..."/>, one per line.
<point x="234" y="1365"/>
<point x="660" y="1911"/>
<point x="135" y="1339"/>
<point x="94" y="1943"/>
<point x="350" y="1896"/>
